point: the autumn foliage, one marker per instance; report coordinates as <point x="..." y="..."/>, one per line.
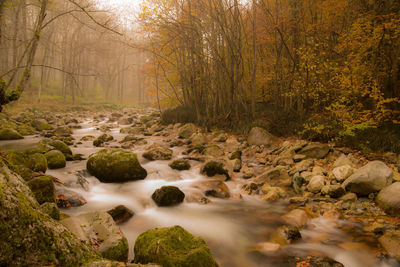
<point x="326" y="70"/>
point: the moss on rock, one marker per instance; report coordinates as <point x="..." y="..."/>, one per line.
<point x="9" y="134"/>
<point x="180" y="164"/>
<point x="43" y="189"/>
<point x="168" y="196"/>
<point x="37" y="162"/>
<point x="55" y="159"/>
<point x="119" y="252"/>
<point x="51" y="209"/>
<point x="99" y="141"/>
<point x="172" y="247"/>
<point x="29" y="237"/>
<point x="115" y="166"/>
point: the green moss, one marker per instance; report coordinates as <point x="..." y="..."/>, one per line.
<point x="25" y="129"/>
<point x="43" y="189"/>
<point x="168" y="196"/>
<point x="180" y="164"/>
<point x="214" y="167"/>
<point x="37" y="162"/>
<point x="119" y="252"/>
<point x="60" y="146"/>
<point x="9" y="134"/>
<point x="67" y="140"/>
<point x="102" y="139"/>
<point x="1" y="195"/>
<point x="172" y="247"/>
<point x="115" y="165"/>
<point x="51" y="209"/>
<point x="55" y="159"/>
<point x="236" y="155"/>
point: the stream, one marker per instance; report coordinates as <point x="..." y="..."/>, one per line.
<point x="231" y="227"/>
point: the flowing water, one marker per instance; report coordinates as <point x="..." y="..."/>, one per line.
<point x="231" y="227"/>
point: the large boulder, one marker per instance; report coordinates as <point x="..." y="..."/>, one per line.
<point x="158" y="152"/>
<point x="98" y="229"/>
<point x="198" y="140"/>
<point x="315" y="151"/>
<point x="41" y="125"/>
<point x="171" y="247"/>
<point x="115" y="166"/>
<point x="259" y="136"/>
<point x="168" y="196"/>
<point x="187" y="130"/>
<point x="43" y="189"/>
<point x="389" y="199"/>
<point x="29" y="237"/>
<point x="61" y="146"/>
<point x="212" y="188"/>
<point x="9" y="134"/>
<point x="55" y="159"/>
<point x="371" y="178"/>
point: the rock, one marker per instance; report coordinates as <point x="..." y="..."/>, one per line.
<point x="259" y="136"/>
<point x="236" y="155"/>
<point x="277" y="176"/>
<point x="316" y="183"/>
<point x="217" y="167"/>
<point x="61" y="146"/>
<point x="100" y="231"/>
<point x="389" y="199"/>
<point x="121" y="214"/>
<point x="158" y="152"/>
<point x="213" y="151"/>
<point x="296" y="217"/>
<point x="221" y="137"/>
<point x="180" y="164"/>
<point x="285" y="235"/>
<point x="343" y="172"/>
<point x="213" y="188"/>
<point x="197" y="197"/>
<point x="391" y="243"/>
<point x="271" y="196"/>
<point x="237" y="165"/>
<point x="267" y="247"/>
<point x="28" y="236"/>
<point x="267" y="189"/>
<point x="115" y="166"/>
<point x="299" y="157"/>
<point x="51" y="209"/>
<point x="63" y="131"/>
<point x="350" y="197"/>
<point x="250" y="189"/>
<point x="187" y="130"/>
<point x="67" y="198"/>
<point x="168" y="196"/>
<point x="55" y="159"/>
<point x="369" y="179"/>
<point x="336" y="191"/>
<point x="315" y="151"/>
<point x="342" y="161"/>
<point x="41" y="125"/>
<point x="9" y="134"/>
<point x="37" y="162"/>
<point x="88" y="138"/>
<point x="99" y="141"/>
<point x="171" y="247"/>
<point x="43" y="189"/>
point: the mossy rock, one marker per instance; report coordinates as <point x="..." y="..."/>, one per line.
<point x="99" y="141"/>
<point x="67" y="140"/>
<point x="37" y="162"/>
<point x="28" y="236"/>
<point x="39" y="148"/>
<point x="236" y="155"/>
<point x="25" y="129"/>
<point x="18" y="162"/>
<point x="121" y="214"/>
<point x="43" y="189"/>
<point x="63" y="131"/>
<point x="187" y="130"/>
<point x="172" y="247"/>
<point x="180" y="164"/>
<point x="109" y="241"/>
<point x="9" y="134"/>
<point x="55" y="159"/>
<point x="158" y="152"/>
<point x="60" y="146"/>
<point x="216" y="167"/>
<point x="41" y="125"/>
<point x="168" y="196"/>
<point x="115" y="166"/>
<point x="51" y="209"/>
